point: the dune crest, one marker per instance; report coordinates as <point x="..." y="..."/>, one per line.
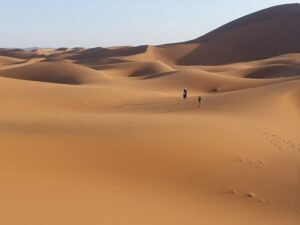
<point x="264" y="34"/>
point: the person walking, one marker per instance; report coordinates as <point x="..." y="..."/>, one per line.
<point x="185" y="93"/>
<point x="199" y="100"/>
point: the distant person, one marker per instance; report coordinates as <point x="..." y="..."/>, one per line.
<point x="199" y="100"/>
<point x="185" y="93"/>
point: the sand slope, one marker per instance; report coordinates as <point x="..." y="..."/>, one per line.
<point x="54" y="72"/>
<point x="4" y="60"/>
<point x="135" y="69"/>
<point x="270" y="32"/>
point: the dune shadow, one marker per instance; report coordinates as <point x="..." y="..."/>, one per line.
<point x="275" y="71"/>
<point x="158" y="75"/>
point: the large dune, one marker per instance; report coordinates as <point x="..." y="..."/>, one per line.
<point x="103" y="135"/>
<point x="268" y="33"/>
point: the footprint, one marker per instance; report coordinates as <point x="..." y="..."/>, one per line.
<point x="241" y="159"/>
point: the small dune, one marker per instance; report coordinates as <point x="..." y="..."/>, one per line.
<point x="17" y="53"/>
<point x="54" y="72"/>
<point x="135" y="69"/>
<point x="4" y="60"/>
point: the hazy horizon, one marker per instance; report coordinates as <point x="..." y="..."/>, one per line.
<point x="95" y="23"/>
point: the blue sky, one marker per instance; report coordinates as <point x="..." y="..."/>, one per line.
<point x="91" y="23"/>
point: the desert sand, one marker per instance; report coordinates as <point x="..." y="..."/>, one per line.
<point x="103" y="136"/>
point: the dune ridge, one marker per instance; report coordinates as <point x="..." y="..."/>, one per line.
<point x="264" y="34"/>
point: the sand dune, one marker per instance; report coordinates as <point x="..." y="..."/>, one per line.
<point x="275" y="71"/>
<point x="169" y="54"/>
<point x="103" y="135"/>
<point x="17" y="53"/>
<point x="135" y="69"/>
<point x="54" y="72"/>
<point x="79" y="154"/>
<point x="95" y="54"/>
<point x="261" y="35"/>
<point x="4" y="60"/>
<point x="270" y="32"/>
<point x="281" y="66"/>
<point x="205" y="82"/>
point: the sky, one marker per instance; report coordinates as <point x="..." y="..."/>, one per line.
<point x="94" y="23"/>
